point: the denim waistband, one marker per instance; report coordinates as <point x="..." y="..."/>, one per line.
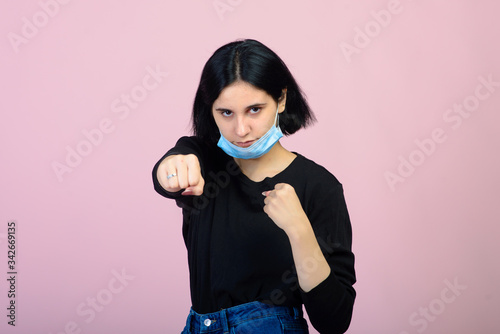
<point x="226" y="318"/>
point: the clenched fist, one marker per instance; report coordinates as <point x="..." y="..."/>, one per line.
<point x="283" y="206"/>
<point x="177" y="172"/>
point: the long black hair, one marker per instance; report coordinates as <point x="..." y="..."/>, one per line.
<point x="250" y="61"/>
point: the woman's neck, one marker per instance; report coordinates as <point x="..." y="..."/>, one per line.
<point x="273" y="162"/>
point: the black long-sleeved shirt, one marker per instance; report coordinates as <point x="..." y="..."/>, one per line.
<point x="236" y="253"/>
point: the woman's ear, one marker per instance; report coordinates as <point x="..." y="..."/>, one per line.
<point x="282" y="101"/>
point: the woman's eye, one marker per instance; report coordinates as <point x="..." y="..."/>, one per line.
<point x="226" y="113"/>
<point x="255" y="110"/>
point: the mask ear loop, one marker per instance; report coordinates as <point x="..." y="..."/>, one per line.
<point x="277" y="117"/>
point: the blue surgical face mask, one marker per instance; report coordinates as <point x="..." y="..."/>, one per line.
<point x="257" y="149"/>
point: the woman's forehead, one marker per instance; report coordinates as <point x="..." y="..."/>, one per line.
<point x="239" y="94"/>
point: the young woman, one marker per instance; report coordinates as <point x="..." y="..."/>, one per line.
<point x="266" y="229"/>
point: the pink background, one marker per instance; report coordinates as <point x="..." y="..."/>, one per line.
<point x="436" y="224"/>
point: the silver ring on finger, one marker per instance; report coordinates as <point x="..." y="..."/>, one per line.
<point x="169" y="176"/>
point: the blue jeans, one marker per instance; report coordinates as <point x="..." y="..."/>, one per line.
<point x="254" y="317"/>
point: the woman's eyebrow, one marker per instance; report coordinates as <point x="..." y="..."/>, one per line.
<point x="257" y="105"/>
<point x="249" y="107"/>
